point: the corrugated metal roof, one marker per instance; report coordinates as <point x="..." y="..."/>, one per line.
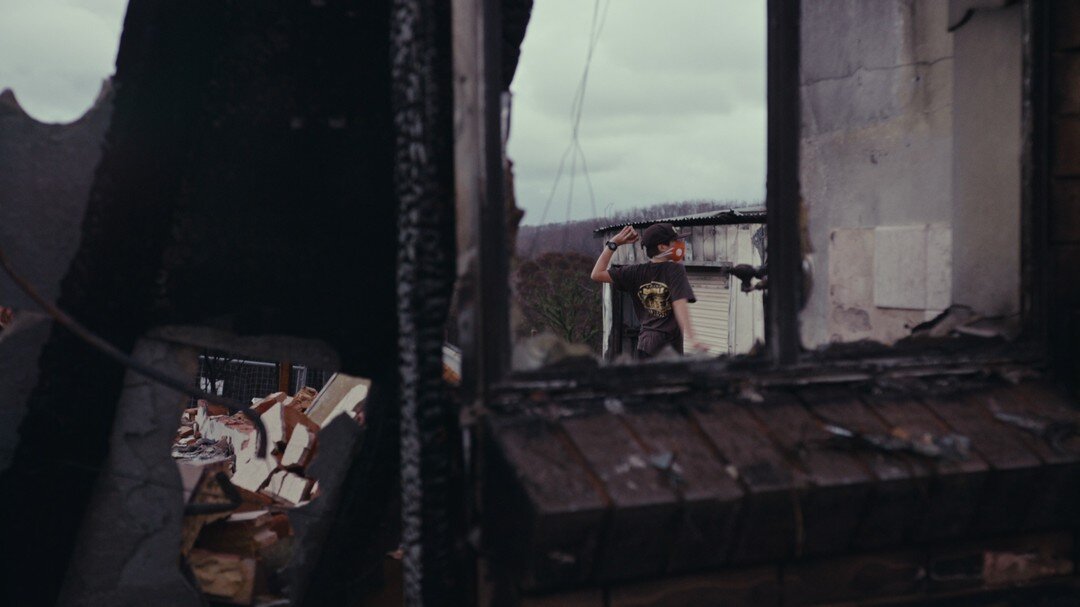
<point x="708" y="218"/>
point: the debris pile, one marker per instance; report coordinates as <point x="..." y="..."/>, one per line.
<point x="236" y="534"/>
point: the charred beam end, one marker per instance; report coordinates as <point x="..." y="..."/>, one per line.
<point x="431" y="474"/>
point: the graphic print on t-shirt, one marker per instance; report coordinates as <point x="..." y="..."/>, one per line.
<point x="655" y="296"/>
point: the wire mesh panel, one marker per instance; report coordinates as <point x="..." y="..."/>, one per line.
<point x="302" y="377"/>
<point x="244" y="379"/>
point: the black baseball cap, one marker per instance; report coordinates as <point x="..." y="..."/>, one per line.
<point x="658" y="233"/>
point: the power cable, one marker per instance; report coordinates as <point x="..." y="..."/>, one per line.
<point x="106" y="348"/>
<point x="574" y="148"/>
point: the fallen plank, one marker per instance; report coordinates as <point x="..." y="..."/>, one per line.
<point x="206" y="490"/>
<point x="288" y="487"/>
<point x="301" y="448"/>
<point x="227" y="577"/>
<point x="244" y="534"/>
<point x="252" y="473"/>
<point x="342" y="395"/>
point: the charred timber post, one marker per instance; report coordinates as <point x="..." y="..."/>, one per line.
<point x="423" y="174"/>
<point x="782" y="182"/>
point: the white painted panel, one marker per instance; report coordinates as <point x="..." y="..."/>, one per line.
<point x="722" y="244"/>
<point x="913" y="267"/>
<point x="939" y="266"/>
<point x="900" y="267"/>
<point x="709" y="314"/>
<point x="607" y="315"/>
<point x="744" y="306"/>
<point x="697" y="240"/>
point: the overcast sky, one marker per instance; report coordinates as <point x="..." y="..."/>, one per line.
<point x="55" y="53"/>
<point x="674" y="105"/>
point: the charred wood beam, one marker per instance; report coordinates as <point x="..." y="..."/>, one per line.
<point x="783" y="202"/>
<point x="431" y="472"/>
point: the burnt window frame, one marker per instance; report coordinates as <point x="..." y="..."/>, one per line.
<point x="486" y="339"/>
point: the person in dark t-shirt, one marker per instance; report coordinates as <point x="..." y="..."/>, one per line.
<point x="660" y="289"/>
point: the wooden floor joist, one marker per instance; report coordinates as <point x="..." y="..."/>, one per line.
<point x="596" y="497"/>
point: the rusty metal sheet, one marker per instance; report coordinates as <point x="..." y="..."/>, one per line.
<point x="644" y="504"/>
<point x="771" y="514"/>
<point x="709" y="496"/>
<point x="542" y="511"/>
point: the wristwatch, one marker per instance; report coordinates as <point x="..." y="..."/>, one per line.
<point x="611" y="244"/>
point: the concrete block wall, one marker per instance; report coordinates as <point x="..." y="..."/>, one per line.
<point x="876" y="152"/>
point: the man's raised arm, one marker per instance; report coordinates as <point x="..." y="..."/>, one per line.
<point x="600" y="273"/>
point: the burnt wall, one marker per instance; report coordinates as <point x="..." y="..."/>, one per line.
<point x="1064" y="269"/>
<point x="44" y="184"/>
<point x="246" y="183"/>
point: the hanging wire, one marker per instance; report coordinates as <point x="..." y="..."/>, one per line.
<point x="106" y="348"/>
<point x="574" y="148"/>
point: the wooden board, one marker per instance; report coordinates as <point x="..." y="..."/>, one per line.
<point x="1015" y="472"/>
<point x="759" y="587"/>
<point x="543" y="514"/>
<point x="1000" y="562"/>
<point x="892" y="504"/>
<point x="854" y="578"/>
<point x="1058" y="504"/>
<point x="709" y="496"/>
<point x="770" y="517"/>
<point x="954" y="491"/>
<point x="226" y="577"/>
<point x="839" y="483"/>
<point x="644" y="505"/>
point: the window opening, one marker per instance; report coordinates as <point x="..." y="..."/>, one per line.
<point x="656" y="132"/>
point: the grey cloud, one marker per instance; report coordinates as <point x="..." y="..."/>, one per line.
<point x="674" y="108"/>
<point x="54" y="54"/>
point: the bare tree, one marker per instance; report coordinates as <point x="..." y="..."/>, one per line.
<point x="556" y="295"/>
